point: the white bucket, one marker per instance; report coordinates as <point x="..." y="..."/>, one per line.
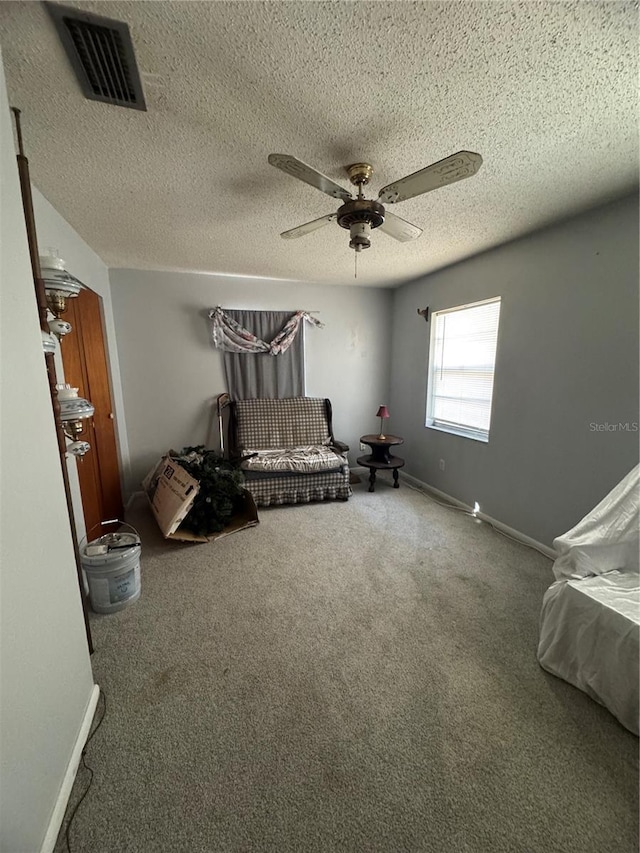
<point x="112" y="567"/>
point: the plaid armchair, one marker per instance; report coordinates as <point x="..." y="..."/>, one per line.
<point x="288" y="451"/>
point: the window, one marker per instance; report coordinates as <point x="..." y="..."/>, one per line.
<point x="461" y="365"/>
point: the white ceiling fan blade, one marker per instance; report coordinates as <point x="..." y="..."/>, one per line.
<point x="308" y="227"/>
<point x="399" y="228"/>
<point x="297" y="169"/>
<point x="458" y="166"/>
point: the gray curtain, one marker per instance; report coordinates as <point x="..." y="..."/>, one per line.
<point x="261" y="375"/>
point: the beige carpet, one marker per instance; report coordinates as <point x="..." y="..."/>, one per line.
<point x="347" y="677"/>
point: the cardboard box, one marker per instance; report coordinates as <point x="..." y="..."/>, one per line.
<point x="171" y="492"/>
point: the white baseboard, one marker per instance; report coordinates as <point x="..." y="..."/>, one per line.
<point x="133" y="497"/>
<point x="64" y="793"/>
<point x="504" y="528"/>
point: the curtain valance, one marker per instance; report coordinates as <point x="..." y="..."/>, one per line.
<point x="230" y="336"/>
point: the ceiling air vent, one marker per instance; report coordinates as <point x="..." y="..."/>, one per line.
<point x="101" y="53"/>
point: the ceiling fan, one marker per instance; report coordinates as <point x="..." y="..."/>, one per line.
<point x="360" y="215"/>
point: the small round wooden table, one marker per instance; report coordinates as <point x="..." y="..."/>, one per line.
<point x="380" y="458"/>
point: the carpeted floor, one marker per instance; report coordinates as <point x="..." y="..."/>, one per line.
<point x="346" y="677"/>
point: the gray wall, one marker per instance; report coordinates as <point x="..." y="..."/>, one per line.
<point x="567" y="357"/>
<point x="46" y="680"/>
<point x="171" y="373"/>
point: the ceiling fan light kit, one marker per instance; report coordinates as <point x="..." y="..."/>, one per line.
<point x="359" y="215"/>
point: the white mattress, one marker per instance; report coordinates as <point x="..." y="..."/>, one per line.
<point x="590" y="637"/>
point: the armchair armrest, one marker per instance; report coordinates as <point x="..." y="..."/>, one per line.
<point x="340" y="446"/>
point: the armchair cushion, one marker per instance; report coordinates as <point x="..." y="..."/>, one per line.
<point x="300" y="459"/>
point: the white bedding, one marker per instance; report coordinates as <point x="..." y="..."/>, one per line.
<point x="590" y="620"/>
<point x="606" y="538"/>
<point x="590" y="637"/>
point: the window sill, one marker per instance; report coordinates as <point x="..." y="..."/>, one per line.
<point x="461" y="433"/>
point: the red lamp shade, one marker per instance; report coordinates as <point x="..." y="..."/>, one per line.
<point x="383" y="413"/>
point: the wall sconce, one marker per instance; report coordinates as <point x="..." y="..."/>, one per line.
<point x="79" y="448"/>
<point x="48" y="342"/>
<point x="73" y="411"/>
<point x="59" y="285"/>
<point x="59" y="328"/>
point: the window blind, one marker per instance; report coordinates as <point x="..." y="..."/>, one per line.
<point x="462" y="361"/>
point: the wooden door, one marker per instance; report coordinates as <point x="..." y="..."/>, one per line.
<point x="84" y="355"/>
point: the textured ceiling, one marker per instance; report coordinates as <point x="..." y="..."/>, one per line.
<point x="545" y="91"/>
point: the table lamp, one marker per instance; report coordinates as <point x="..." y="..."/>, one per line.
<point x="382" y="413"/>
